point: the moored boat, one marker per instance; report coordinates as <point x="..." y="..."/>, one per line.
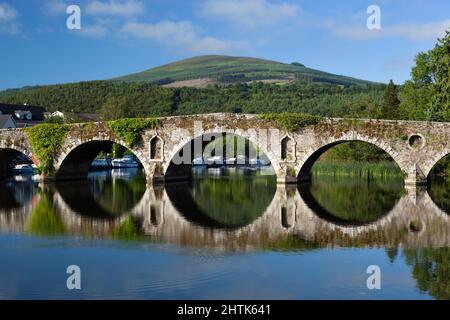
<point x="125" y="162"/>
<point x="23" y="168"/>
<point x="101" y="163"/>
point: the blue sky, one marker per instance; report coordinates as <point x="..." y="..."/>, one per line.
<point x="119" y="37"/>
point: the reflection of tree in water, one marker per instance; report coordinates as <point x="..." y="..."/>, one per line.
<point x="104" y="195"/>
<point x="235" y="200"/>
<point x="291" y="243"/>
<point x="44" y="219"/>
<point x="439" y="191"/>
<point x="356" y="199"/>
<point x="431" y="270"/>
<point x="128" y="230"/>
<point x="118" y="195"/>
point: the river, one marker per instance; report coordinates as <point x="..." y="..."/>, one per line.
<point x="226" y="234"/>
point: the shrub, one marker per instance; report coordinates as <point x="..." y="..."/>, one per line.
<point x="129" y="129"/>
<point x="46" y="140"/>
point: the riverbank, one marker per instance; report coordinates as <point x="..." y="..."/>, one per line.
<point x="357" y="169"/>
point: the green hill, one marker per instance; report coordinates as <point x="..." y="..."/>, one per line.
<point x="227" y="69"/>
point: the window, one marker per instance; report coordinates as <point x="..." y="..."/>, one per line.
<point x="287" y="149"/>
<point x="156" y="152"/>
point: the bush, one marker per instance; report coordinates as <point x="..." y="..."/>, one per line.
<point x="46" y="140"/>
<point x="129" y="129"/>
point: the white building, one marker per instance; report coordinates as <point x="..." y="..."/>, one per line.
<point x="58" y="114"/>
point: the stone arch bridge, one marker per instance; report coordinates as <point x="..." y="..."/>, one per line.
<point x="166" y="151"/>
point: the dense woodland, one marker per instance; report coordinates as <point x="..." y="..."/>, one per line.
<point x="113" y="100"/>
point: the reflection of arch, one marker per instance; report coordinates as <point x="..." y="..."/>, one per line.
<point x="320" y="211"/>
<point x="287" y="149"/>
<point x="182" y="200"/>
<point x="187" y="142"/>
<point x="84" y="197"/>
<point x="156" y="148"/>
<point x="75" y="161"/>
<point x="183" y="197"/>
<point x="315" y="152"/>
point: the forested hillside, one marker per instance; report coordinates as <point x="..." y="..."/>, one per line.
<point x="119" y="99"/>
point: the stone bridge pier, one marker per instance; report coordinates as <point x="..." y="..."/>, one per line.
<point x="167" y="150"/>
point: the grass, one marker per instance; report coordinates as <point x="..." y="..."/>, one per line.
<point x="357" y="169"/>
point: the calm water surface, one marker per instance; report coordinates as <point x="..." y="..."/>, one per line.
<point x="227" y="234"/>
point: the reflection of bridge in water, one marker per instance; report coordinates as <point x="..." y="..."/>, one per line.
<point x="415" y="220"/>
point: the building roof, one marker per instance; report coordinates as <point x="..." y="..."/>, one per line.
<point x="38" y="112"/>
<point x="4" y="118"/>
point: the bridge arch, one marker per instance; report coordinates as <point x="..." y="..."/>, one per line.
<point x="17" y="141"/>
<point x="76" y="157"/>
<point x="313" y="153"/>
<point x="186" y="141"/>
<point x="429" y="164"/>
<point x="9" y="152"/>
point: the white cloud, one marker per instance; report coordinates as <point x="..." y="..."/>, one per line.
<point x="95" y="30"/>
<point x="55" y="6"/>
<point x="116" y="8"/>
<point x="410" y="31"/>
<point x="7" y="13"/>
<point x="8" y="19"/>
<point x="250" y="13"/>
<point x="182" y="35"/>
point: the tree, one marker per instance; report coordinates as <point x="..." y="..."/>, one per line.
<point x="440" y="55"/>
<point x="115" y="108"/>
<point x="391" y="102"/>
<point x="428" y="92"/>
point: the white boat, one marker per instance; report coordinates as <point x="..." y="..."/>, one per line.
<point x="241" y="159"/>
<point x="198" y="161"/>
<point x="214" y="161"/>
<point x="230" y="161"/>
<point x="101" y="163"/>
<point x="23" y="168"/>
<point x="263" y="161"/>
<point x="125" y="162"/>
